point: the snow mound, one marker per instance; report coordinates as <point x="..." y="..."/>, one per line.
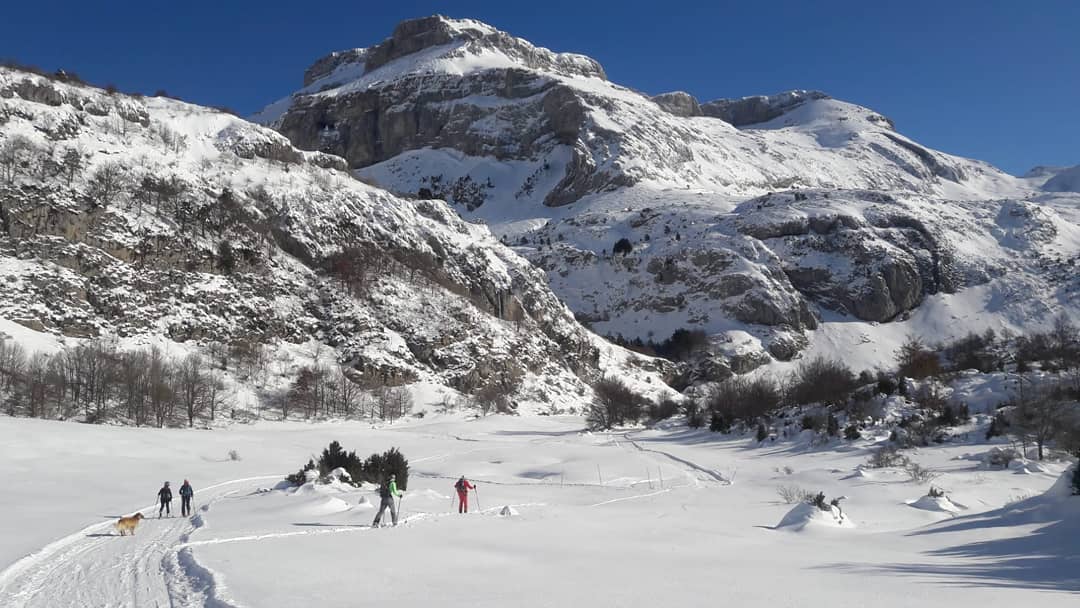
<point x="325" y="506"/>
<point x="341" y="474"/>
<point x="508" y="511"/>
<point x="862" y="473"/>
<point x="805" y="515"/>
<point x="935" y="503"/>
<point x="1027" y="467"/>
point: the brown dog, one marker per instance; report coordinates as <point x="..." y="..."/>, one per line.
<point x="128" y="524"/>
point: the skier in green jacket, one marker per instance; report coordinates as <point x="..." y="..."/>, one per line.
<point x="387" y="492"/>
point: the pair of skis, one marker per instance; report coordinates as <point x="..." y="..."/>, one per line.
<point x="476" y="490"/>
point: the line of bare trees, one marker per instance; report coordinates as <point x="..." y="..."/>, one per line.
<point x="321" y="391"/>
<point x="99" y="382"/>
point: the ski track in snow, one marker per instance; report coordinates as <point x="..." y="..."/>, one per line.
<point x="712" y="474"/>
<point x="97" y="567"/>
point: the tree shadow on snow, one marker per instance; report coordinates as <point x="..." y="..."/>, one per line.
<point x="1043" y="558"/>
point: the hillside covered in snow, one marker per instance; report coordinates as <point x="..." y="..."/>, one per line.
<point x="772" y="223"/>
<point x="141" y="219"/>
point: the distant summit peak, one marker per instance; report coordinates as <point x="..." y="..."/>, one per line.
<point x="460" y="37"/>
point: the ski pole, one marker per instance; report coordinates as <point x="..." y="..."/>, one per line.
<point x="476" y="491"/>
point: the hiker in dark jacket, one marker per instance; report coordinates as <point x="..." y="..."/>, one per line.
<point x="186" y="494"/>
<point x="165" y="497"/>
<point x="387" y="492"/>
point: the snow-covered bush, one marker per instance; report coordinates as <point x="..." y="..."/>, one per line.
<point x="234" y="455"/>
<point x="887" y="456"/>
<point x="918" y="473"/>
<point x="935" y="492"/>
<point x="1000" y="457"/>
<point x="851" y="432"/>
<point x="791" y="494"/>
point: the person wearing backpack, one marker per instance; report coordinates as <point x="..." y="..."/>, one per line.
<point x="186" y="494"/>
<point x="387" y="492"/>
<point x="165" y="498"/>
<point x="463" y="486"/>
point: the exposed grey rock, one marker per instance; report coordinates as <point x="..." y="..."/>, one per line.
<point x="679" y="103"/>
<point x="758" y="108"/>
<point x="874" y="267"/>
<point x="324" y="66"/>
<point x="424" y="294"/>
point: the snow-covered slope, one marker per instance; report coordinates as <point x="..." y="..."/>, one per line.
<point x="757" y="219"/>
<point x="129" y="216"/>
<point x="1065" y="180"/>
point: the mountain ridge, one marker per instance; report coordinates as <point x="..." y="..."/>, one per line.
<point x="567" y="166"/>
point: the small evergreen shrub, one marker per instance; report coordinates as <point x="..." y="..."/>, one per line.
<point x="300" y="477"/>
<point x="832" y="426"/>
<point x="851" y="432"/>
<point x="762" y="433"/>
<point x="886" y="385"/>
<point x="997" y="426"/>
<point x="718" y="424"/>
<point x="375" y="469"/>
<point x="812" y="422"/>
<point x="1076" y="480"/>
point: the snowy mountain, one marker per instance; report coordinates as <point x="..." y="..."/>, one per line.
<point x="1065" y="180"/>
<point x="141" y="218"/>
<point x="765" y="221"/>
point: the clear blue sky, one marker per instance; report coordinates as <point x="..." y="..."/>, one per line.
<point x="993" y="79"/>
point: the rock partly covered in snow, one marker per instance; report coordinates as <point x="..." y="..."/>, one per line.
<point x="148" y="216"/>
<point x="758" y="108"/>
<point x="935" y="503"/>
<point x="753" y="219"/>
<point x="804" y="515"/>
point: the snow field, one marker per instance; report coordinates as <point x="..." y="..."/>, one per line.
<point x="593" y="523"/>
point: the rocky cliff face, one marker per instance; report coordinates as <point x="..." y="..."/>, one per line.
<point x="758" y="108"/>
<point x="757" y="219"/>
<point x="129" y="216"/>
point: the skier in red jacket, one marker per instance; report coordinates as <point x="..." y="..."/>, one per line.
<point x="463" y="486"/>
